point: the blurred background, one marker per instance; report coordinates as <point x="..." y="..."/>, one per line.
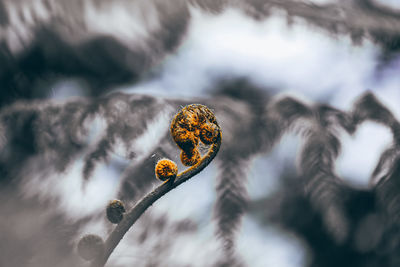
<point x="87" y="92"/>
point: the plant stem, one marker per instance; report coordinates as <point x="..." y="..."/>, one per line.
<point x="134" y="214"/>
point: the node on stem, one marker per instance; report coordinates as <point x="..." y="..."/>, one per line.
<point x="90" y="247"/>
<point x="115" y="211"/>
<point x="166" y="170"/>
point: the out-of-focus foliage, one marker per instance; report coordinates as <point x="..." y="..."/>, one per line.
<point x="61" y="161"/>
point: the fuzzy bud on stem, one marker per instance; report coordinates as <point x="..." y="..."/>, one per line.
<point x="115" y="211"/>
<point x="90" y="247"/>
<point x="166" y="170"/>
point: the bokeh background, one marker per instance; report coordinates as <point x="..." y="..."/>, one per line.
<point x="87" y="92"/>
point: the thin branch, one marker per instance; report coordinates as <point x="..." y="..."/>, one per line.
<point x="346" y="16"/>
<point x="134" y="214"/>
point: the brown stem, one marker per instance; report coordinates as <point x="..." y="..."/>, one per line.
<point x="134" y="214"/>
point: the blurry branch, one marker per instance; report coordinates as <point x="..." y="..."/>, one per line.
<point x="348" y="15"/>
<point x="231" y="204"/>
<point x="39" y="53"/>
<point x="323" y="122"/>
<point x="191" y="124"/>
<point x="359" y="18"/>
<point x="245" y="138"/>
<point x="320" y="125"/>
<point x="369" y="108"/>
<point x="321" y="147"/>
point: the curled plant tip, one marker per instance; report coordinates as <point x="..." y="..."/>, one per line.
<point x="90" y="247"/>
<point x="115" y="211"/>
<point x="208" y="133"/>
<point x="190" y="158"/>
<point x="186" y="125"/>
<point x="192" y="123"/>
<point x="166" y="170"/>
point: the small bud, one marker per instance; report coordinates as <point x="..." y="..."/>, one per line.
<point x="209" y="133"/>
<point x="191" y="157"/>
<point x="90" y="247"/>
<point x="166" y="170"/>
<point x="115" y="211"/>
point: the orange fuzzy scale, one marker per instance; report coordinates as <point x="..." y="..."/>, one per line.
<point x="192" y="117"/>
<point x="166" y="170"/>
<point x="208" y="133"/>
<point x="184" y="138"/>
<point x="190" y="158"/>
<point x="191" y="120"/>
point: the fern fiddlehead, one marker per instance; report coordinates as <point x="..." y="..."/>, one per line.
<point x="192" y="123"/>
